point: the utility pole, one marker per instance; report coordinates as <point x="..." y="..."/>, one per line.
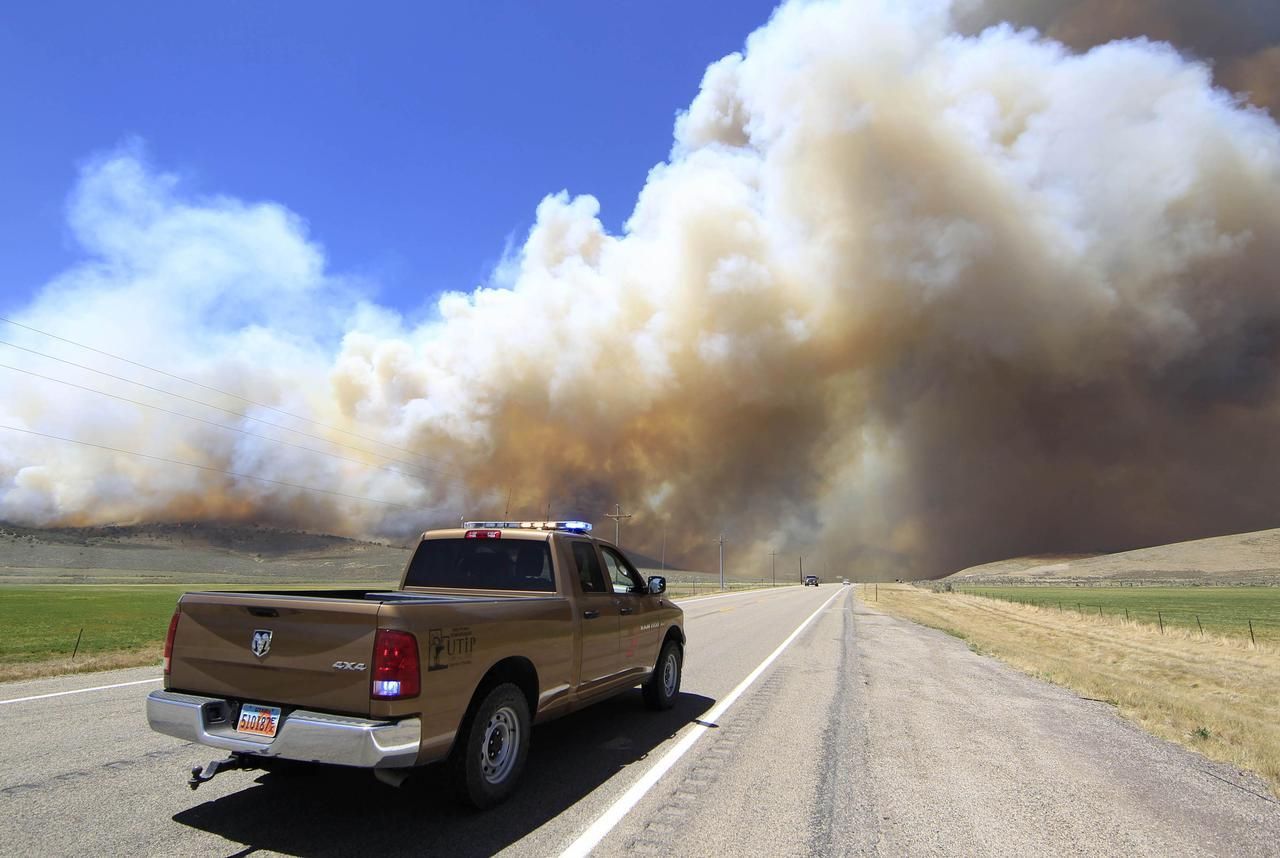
<point x="722" y="561"/>
<point x="617" y="517"/>
<point x="664" y="548"/>
<point x="506" y="513"/>
<point x="801" y="568"/>
<point x="773" y="556"/>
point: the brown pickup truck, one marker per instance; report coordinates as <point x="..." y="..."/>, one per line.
<point x="496" y="626"/>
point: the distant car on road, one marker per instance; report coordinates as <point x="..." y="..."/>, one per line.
<point x="846" y="582"/>
<point x="811" y="580"/>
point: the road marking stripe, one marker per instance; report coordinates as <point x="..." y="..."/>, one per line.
<point x="620" y="808"/>
<point x="79" y="691"/>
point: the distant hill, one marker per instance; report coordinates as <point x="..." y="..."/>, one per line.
<point x="191" y="552"/>
<point x="1242" y="558"/>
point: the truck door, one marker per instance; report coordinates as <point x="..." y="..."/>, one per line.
<point x="639" y="632"/>
<point x="598" y="612"/>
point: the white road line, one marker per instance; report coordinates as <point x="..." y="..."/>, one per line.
<point x="756" y="592"/>
<point x="619" y="809"/>
<point x="79" y="691"/>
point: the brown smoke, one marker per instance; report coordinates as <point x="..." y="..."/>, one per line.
<point x="1240" y="38"/>
<point x="901" y="300"/>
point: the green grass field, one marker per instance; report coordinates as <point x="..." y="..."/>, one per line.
<point x="1221" y="610"/>
<point x="41" y="622"/>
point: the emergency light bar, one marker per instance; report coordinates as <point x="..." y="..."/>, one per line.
<point x="571" y="526"/>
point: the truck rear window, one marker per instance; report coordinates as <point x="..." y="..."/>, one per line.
<point x="482" y="564"/>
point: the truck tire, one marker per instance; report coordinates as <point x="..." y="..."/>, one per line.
<point x="664" y="684"/>
<point x="490" y="754"/>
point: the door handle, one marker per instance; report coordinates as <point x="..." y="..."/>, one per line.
<point x="590" y="615"/>
<point x="626" y="610"/>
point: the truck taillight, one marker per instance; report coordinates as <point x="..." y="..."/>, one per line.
<point x="168" y="640"/>
<point x="396" y="674"/>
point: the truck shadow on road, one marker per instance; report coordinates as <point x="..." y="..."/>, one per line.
<point x="332" y="811"/>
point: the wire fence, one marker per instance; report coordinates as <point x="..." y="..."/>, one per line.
<point x="1256" y="617"/>
<point x="684" y="583"/>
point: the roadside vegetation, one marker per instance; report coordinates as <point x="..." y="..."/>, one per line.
<point x="689" y="586"/>
<point x="1215" y="693"/>
<point x="1237" y="611"/>
<point x="75" y="628"/>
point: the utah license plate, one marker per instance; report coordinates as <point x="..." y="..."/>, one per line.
<point x="259" y="720"/>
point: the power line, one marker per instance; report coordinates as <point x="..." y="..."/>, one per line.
<point x="721" y="561"/>
<point x="209" y="468"/>
<point x="232" y="412"/>
<point x="220" y="425"/>
<point x="617" y="523"/>
<point x="220" y="391"/>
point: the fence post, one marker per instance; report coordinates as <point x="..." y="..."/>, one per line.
<point x="1160" y="619"/>
<point x="1198" y="624"/>
<point x="1099" y="611"/>
<point x="1079" y="609"/>
<point x="1251" y="637"/>
<point x="77" y="647"/>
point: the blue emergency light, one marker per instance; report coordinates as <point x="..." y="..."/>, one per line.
<point x="568" y="526"/>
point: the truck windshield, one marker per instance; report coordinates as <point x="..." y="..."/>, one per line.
<point x="482" y="564"/>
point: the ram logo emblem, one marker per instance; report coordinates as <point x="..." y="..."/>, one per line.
<point x="261" y="644"/>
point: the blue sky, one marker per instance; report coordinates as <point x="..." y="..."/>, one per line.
<point x="414" y="138"/>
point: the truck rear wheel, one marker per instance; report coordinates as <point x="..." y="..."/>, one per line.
<point x="663" y="686"/>
<point x="490" y="755"/>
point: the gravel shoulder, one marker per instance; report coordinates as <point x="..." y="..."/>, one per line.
<point x="875" y="736"/>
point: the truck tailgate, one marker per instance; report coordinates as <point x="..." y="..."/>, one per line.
<point x="276" y="649"/>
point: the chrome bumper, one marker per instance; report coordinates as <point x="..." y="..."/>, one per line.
<point x="314" y="737"/>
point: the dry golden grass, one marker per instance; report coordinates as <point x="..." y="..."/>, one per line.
<point x="82" y="664"/>
<point x="1218" y="696"/>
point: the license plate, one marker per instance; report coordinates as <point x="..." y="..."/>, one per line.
<point x="259" y="720"/>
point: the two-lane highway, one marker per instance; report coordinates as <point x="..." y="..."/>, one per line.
<point x="863" y="735"/>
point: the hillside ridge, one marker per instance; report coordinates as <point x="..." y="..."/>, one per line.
<point x="1238" y="558"/>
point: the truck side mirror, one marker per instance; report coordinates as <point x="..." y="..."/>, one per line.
<point x="657" y="585"/>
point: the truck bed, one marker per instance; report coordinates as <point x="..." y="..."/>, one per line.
<point x="319" y="642"/>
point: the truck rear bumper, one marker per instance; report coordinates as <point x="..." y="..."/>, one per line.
<point x="316" y="737"/>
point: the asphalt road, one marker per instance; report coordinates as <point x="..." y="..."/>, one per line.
<point x="866" y="735"/>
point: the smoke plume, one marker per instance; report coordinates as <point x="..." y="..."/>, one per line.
<point x="1239" y="38"/>
<point x="911" y="292"/>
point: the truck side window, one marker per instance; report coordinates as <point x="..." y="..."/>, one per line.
<point x="622" y="576"/>
<point x="589" y="572"/>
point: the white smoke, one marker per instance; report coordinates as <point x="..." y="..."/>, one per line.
<point x="901" y="298"/>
